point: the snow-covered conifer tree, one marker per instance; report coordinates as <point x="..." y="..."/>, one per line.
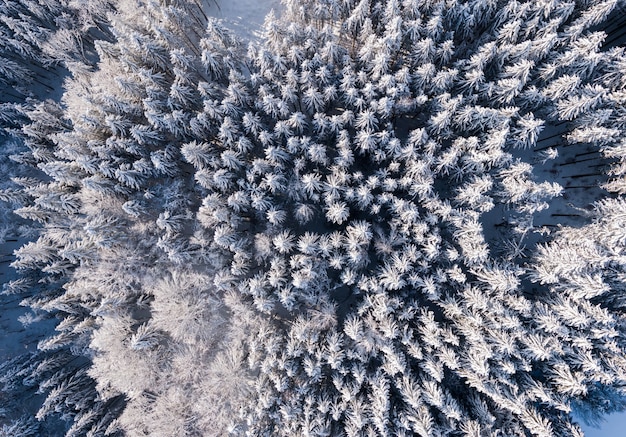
<point x="325" y="235"/>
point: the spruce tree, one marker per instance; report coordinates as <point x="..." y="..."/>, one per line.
<point x="342" y="231"/>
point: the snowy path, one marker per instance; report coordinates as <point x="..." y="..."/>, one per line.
<point x="245" y="17"/>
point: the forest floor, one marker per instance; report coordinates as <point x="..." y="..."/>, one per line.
<point x="16" y="338"/>
<point x="244" y="17"/>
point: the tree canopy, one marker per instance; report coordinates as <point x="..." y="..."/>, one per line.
<point x="385" y="217"/>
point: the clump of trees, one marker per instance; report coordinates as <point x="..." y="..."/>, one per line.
<point x="331" y="231"/>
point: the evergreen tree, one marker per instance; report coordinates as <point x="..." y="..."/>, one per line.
<point x="324" y="235"/>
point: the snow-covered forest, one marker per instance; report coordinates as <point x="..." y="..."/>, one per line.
<point x="370" y="218"/>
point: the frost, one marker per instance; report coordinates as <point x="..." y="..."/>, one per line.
<point x="375" y="217"/>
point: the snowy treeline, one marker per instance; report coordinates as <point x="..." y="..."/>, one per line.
<point x="343" y="229"/>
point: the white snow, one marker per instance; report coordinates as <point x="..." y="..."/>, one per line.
<point x="245" y="17"/>
<point x="613" y="426"/>
<point x="16" y="338"/>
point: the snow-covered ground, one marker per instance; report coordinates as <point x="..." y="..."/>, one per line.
<point x="613" y="426"/>
<point x="245" y="17"/>
<point x="15" y="337"/>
